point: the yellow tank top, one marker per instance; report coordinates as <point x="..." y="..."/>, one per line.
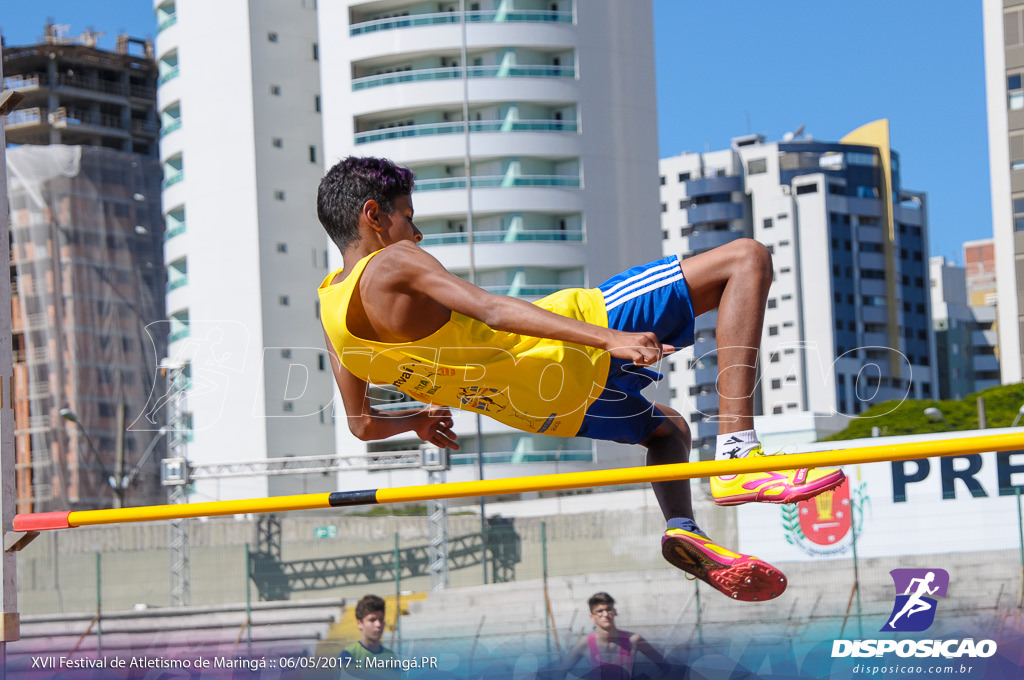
<point x="528" y="383"/>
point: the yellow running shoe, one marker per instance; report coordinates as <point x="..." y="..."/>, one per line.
<point x="739" y="576"/>
<point x="783" y="486"/>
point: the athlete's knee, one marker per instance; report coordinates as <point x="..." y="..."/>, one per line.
<point x="673" y="427"/>
<point x="755" y="257"/>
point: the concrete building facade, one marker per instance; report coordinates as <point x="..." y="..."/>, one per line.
<point x="966" y="341"/>
<point x="848" y="318"/>
<point x="87" y="296"/>
<point x="78" y="94"/>
<point x="87" y="273"/>
<point x="560" y="152"/>
<point x="1003" y="22"/>
<point x="240" y="146"/>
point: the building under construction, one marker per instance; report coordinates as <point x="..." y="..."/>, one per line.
<point x="78" y="94"/>
<point x="87" y="272"/>
<point x="87" y="295"/>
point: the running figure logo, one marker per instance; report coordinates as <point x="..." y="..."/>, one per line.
<point x="916" y="590"/>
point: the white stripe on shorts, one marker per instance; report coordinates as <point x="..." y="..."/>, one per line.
<point x="646" y="281"/>
<point x="610" y="293"/>
<point x="646" y="289"/>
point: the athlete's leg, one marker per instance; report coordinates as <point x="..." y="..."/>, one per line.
<point x="670" y="443"/>
<point x="734" y="279"/>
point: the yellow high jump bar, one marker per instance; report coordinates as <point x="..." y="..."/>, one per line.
<point x="568" y="480"/>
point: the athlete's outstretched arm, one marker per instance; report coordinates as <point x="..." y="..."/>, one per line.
<point x="413" y="270"/>
<point x="432" y="424"/>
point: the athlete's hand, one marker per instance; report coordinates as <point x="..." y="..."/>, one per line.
<point x="643" y="349"/>
<point x="434" y="426"/>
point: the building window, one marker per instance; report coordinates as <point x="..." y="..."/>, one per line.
<point x="776" y="384"/>
<point x="661" y="180"/>
<point x="289" y="406"/>
<point x="278" y="195"/>
<point x="283" y="300"/>
<point x="1018" y="214"/>
<point x="316" y="103"/>
<point x="664" y="207"/>
<point x="277" y="142"/>
<point x="684" y="176"/>
<point x="282" y="247"/>
<point x="275" y="90"/>
<point x="773" y="330"/>
<point x="312" y="154"/>
<point x="316" y="52"/>
<point x="321" y="362"/>
<point x="768" y="223"/>
<point x="756" y="166"/>
<point x="1014" y="92"/>
<point x="272" y="36"/>
<point x="772" y="303"/>
<point x="286" y="353"/>
<point x="807" y="189"/>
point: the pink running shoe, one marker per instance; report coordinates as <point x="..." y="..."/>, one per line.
<point x="783" y="486"/>
<point x="739" y="576"/>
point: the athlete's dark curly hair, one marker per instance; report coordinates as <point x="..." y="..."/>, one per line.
<point x="599" y="599"/>
<point x="347" y="187"/>
<point x="369" y="604"/>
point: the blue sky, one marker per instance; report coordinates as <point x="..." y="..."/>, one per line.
<point x="729" y="67"/>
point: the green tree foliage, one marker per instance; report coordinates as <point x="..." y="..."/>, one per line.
<point x="894" y="418"/>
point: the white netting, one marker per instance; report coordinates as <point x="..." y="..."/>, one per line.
<point x="86" y="222"/>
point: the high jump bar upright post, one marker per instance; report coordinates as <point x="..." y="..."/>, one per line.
<point x="570" y="480"/>
<point x="10" y="622"/>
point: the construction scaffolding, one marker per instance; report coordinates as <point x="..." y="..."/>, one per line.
<point x="87" y="282"/>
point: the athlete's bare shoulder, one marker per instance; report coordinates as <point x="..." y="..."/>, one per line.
<point x="401" y="263"/>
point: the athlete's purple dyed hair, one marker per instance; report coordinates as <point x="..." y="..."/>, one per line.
<point x="347" y="187"/>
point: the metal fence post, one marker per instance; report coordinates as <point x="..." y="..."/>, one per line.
<point x="99" y="606"/>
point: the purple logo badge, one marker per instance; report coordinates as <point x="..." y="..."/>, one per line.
<point x="916" y="590"/>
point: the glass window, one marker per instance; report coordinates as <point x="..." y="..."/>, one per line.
<point x="756" y="166"/>
<point x="1015" y="92"/>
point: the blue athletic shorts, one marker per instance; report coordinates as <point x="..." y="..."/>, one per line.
<point x="652" y="297"/>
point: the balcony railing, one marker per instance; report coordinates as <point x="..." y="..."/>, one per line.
<point x="432" y="129"/>
<point x="171" y="180"/>
<point x="168" y="75"/>
<point x="174" y="231"/>
<point x="526" y="290"/>
<point x="167" y="23"/>
<point x="170" y="127"/>
<point x="503" y="236"/>
<point x="176" y="283"/>
<point x="32" y="116"/>
<point x="581" y="456"/>
<point x="179" y="334"/>
<point x="455" y="72"/>
<point x="490" y="16"/>
<point x="20" y="82"/>
<point x="492" y="181"/>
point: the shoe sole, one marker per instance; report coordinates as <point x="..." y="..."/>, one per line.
<point x="750" y="581"/>
<point x="822" y="485"/>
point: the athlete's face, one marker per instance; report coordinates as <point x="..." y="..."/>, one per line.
<point x="603" y="616"/>
<point x="398" y="225"/>
<point x="372" y="627"/>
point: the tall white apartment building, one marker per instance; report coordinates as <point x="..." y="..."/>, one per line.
<point x="848" y="321"/>
<point x="1003" y="22"/>
<point x="561" y="153"/>
<point x="241" y="150"/>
